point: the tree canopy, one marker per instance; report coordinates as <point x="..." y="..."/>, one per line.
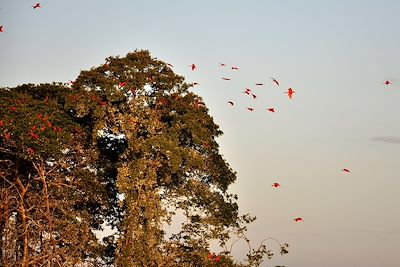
<point x="128" y="145"/>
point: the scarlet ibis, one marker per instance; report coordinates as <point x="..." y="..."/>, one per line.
<point x="37" y="5"/>
<point x="387" y="82"/>
<point x="290" y="92"/>
<point x="250" y="109"/>
<point x="276" y="185"/>
<point x="345" y="170"/>
<point x="193" y="66"/>
<point x="259" y="84"/>
<point x="235" y="68"/>
<point x="298" y="219"/>
<point x="254" y="96"/>
<point x="271" y="109"/>
<point x="275" y="81"/>
<point x="1" y="28"/>
<point x="230" y="103"/>
<point x="226" y="79"/>
<point x="122" y="84"/>
<point x="222" y="65"/>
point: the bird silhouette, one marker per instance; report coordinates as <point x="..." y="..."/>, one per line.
<point x="271" y="110"/>
<point x="230" y="102"/>
<point x="275" y="81"/>
<point x="259" y="84"/>
<point x="226" y="79"/>
<point x="290" y="92"/>
<point x="222" y="65"/>
<point x="37" y="5"/>
<point x="345" y="170"/>
<point x="235" y="68"/>
<point x="298" y="219"/>
<point x="254" y="96"/>
<point x="250" y="109"/>
<point x="193" y="66"/>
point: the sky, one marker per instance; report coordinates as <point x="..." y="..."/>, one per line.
<point x="334" y="54"/>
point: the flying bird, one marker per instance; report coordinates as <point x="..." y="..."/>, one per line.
<point x="275" y="81"/>
<point x="250" y="109"/>
<point x="271" y="110"/>
<point x="1" y="28"/>
<point x="298" y="219"/>
<point x="259" y="84"/>
<point x="170" y="65"/>
<point x="345" y="170"/>
<point x="290" y="92"/>
<point x="226" y="79"/>
<point x="222" y="65"/>
<point x="387" y="82"/>
<point x="37" y="5"/>
<point x="235" y="68"/>
<point x="194" y="84"/>
<point x="276" y="185"/>
<point x="230" y="103"/>
<point x="254" y="96"/>
<point x="193" y="66"/>
<point x="247" y="92"/>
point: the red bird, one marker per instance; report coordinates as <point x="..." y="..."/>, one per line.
<point x="194" y="84"/>
<point x="230" y="103"/>
<point x="271" y="109"/>
<point x="259" y="84"/>
<point x="275" y="81"/>
<point x="226" y="79"/>
<point x="122" y="84"/>
<point x="254" y="96"/>
<point x="345" y="170"/>
<point x="290" y="92"/>
<point x="36" y="6"/>
<point x="246" y="92"/>
<point x="235" y="68"/>
<point x="1" y="28"/>
<point x="298" y="219"/>
<point x="222" y="65"/>
<point x="250" y="109"/>
<point x="276" y="185"/>
<point x="170" y="65"/>
<point x="193" y="66"/>
<point x="387" y="82"/>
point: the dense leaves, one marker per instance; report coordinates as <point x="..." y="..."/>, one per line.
<point x="127" y="145"/>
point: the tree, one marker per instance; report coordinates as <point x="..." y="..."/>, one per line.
<point x="129" y="145"/>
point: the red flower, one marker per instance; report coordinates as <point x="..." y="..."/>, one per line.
<point x="30" y="151"/>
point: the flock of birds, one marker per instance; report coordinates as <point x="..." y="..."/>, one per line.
<point x="246" y="91"/>
<point x="249" y="92"/>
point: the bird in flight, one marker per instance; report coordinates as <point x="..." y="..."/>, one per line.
<point x="170" y="65"/>
<point x="275" y="81"/>
<point x="345" y="170"/>
<point x="230" y="103"/>
<point x="259" y="84"/>
<point x="193" y="66"/>
<point x="254" y="96"/>
<point x="276" y="185"/>
<point x="235" y="68"/>
<point x="290" y="92"/>
<point x="298" y="219"/>
<point x="222" y="65"/>
<point x="271" y="110"/>
<point x="250" y="109"/>
<point x="37" y="5"/>
<point x="387" y="83"/>
<point x="194" y="84"/>
<point x="226" y="79"/>
<point x="1" y="28"/>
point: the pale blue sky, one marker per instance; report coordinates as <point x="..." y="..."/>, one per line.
<point x="334" y="54"/>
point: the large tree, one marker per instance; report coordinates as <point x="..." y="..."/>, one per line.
<point x="128" y="145"/>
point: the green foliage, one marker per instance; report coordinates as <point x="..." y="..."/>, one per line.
<point x="129" y="145"/>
